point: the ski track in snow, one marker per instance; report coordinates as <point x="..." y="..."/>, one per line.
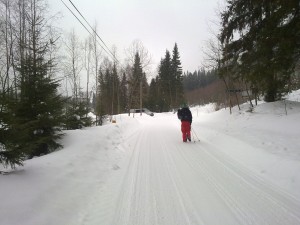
<point x="164" y="181"/>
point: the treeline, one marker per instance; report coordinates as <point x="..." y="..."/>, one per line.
<point x="50" y="81"/>
<point x="120" y="90"/>
<point x="259" y="46"/>
<point x="203" y="87"/>
<point x="199" y="79"/>
<point x="212" y="93"/>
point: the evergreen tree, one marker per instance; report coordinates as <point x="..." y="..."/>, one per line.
<point x="165" y="82"/>
<point x="261" y="44"/>
<point x="76" y="115"/>
<point x="38" y="114"/>
<point x="33" y="116"/>
<point x="198" y="79"/>
<point x="170" y="81"/>
<point x="109" y="91"/>
<point x="135" y="81"/>
<point x="123" y="94"/>
<point x="154" y="96"/>
<point x="9" y="155"/>
<point x="145" y="91"/>
<point x="177" y="78"/>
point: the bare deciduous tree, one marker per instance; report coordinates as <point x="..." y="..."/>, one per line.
<point x="73" y="63"/>
<point x="138" y="47"/>
<point x="88" y="47"/>
<point x="95" y="67"/>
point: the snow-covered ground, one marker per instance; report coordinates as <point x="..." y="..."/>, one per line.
<point x="244" y="170"/>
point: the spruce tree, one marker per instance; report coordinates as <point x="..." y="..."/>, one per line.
<point x="110" y="96"/>
<point x="123" y="94"/>
<point x="9" y="155"/>
<point x="136" y="79"/>
<point x="38" y="114"/>
<point x="33" y="116"/>
<point x="76" y="115"/>
<point x="153" y="102"/>
<point x="177" y="79"/>
<point x="261" y="44"/>
<point x="165" y="82"/>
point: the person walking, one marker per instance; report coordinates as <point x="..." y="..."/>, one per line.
<point x="185" y="115"/>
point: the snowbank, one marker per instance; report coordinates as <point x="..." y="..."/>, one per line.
<point x="57" y="188"/>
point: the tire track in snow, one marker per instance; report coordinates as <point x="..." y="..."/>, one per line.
<point x="189" y="210"/>
<point x="283" y="201"/>
<point x="167" y="182"/>
<point x="126" y="196"/>
<point x="202" y="202"/>
<point x="102" y="209"/>
<point x="200" y="168"/>
<point x="151" y="193"/>
<point x="143" y="200"/>
<point x="253" y="201"/>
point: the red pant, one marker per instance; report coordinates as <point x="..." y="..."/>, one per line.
<point x="186" y="130"/>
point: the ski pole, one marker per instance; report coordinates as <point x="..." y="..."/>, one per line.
<point x="193" y="131"/>
<point x="193" y="136"/>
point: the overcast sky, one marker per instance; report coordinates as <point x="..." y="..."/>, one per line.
<point x="158" y="24"/>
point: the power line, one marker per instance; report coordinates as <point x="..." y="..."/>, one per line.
<point x="107" y="51"/>
<point x="91" y="27"/>
<point x="82" y="23"/>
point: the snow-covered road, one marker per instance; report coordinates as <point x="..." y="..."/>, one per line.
<point x="165" y="181"/>
<point x="245" y="170"/>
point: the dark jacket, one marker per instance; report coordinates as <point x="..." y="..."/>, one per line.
<point x="185" y="114"/>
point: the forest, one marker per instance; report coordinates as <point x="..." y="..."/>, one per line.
<point x="51" y="80"/>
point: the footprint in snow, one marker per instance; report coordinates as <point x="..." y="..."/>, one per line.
<point x="115" y="167"/>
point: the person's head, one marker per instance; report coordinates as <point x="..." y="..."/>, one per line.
<point x="184" y="105"/>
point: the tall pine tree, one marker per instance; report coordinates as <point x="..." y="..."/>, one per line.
<point x="135" y="81"/>
<point x="36" y="113"/>
<point x="177" y="79"/>
<point x="165" y="82"/>
<point x="170" y="81"/>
